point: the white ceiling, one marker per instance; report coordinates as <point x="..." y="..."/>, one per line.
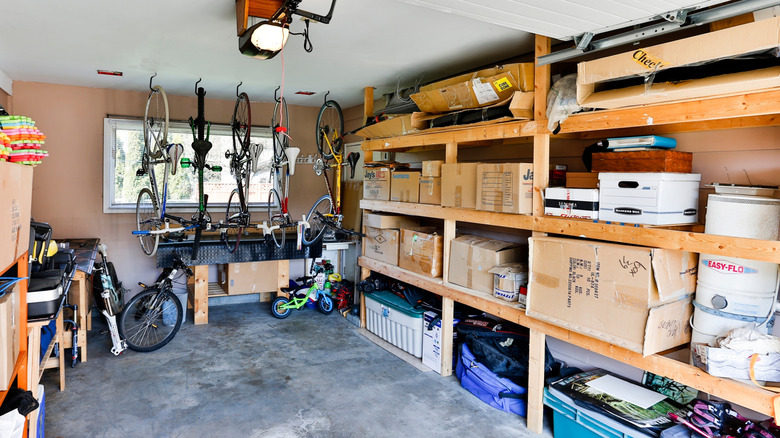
<point x="367" y="43"/>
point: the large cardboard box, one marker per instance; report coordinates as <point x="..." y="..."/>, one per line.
<point x="472" y="257"/>
<point x="385" y="220"/>
<point x="382" y="244"/>
<point x="431" y="344"/>
<point x="505" y="188"/>
<point x="400" y="125"/>
<point x="421" y="251"/>
<point x="376" y="184"/>
<point x="734" y="41"/>
<point x="634" y="297"/>
<point x="251" y="277"/>
<point x="15" y="205"/>
<point x="405" y="186"/>
<point x="430" y="190"/>
<point x="459" y="185"/>
<point x="475" y="90"/>
<point x="9" y="335"/>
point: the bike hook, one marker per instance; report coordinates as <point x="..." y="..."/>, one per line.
<point x="277" y="99"/>
<point x="325" y="99"/>
<point x="150" y="81"/>
<point x="237" y="87"/>
<point x="196" y="87"/>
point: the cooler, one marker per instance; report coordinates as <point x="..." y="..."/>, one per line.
<point x="649" y="198"/>
<point x="396" y="321"/>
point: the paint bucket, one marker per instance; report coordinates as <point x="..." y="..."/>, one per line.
<point x="752" y="217"/>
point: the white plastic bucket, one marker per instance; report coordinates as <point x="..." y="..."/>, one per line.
<point x="753" y="217"/>
<point x="741" y="275"/>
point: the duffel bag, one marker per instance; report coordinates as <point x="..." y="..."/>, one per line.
<point x="499" y="392"/>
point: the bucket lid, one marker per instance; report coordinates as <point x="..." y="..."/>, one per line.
<point x="390" y="299"/>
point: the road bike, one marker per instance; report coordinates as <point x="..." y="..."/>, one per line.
<point x="243" y="161"/>
<point x="282" y="168"/>
<point x="153" y="317"/>
<point x="152" y="219"/>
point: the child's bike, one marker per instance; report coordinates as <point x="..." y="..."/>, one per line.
<point x="283" y="306"/>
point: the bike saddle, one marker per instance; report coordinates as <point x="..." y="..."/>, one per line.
<point x="352" y="159"/>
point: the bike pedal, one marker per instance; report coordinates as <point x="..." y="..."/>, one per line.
<point x="140" y="172"/>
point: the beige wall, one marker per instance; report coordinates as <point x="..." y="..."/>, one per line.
<point x="68" y="186"/>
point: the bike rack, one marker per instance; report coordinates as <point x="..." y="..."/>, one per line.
<point x="250" y="250"/>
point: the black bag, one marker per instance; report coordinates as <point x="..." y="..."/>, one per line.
<point x="503" y="348"/>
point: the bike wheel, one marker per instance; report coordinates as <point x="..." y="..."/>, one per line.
<point x="325" y="304"/>
<point x="324" y="206"/>
<point x="233" y="217"/>
<point x="278" y="310"/>
<point x="275" y="217"/>
<point x="280" y="127"/>
<point x="241" y="122"/>
<point x="330" y="124"/>
<point x="156" y="123"/>
<point x="147" y="215"/>
<point x="150" y="320"/>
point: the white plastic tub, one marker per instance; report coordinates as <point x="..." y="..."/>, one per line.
<point x="395" y="320"/>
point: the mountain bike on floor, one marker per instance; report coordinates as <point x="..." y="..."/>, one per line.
<point x="153" y="317"/>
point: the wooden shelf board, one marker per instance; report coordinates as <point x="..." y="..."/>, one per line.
<point x="751" y="397"/>
<point x="518" y="221"/>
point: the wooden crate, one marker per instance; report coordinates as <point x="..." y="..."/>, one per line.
<point x="643" y="161"/>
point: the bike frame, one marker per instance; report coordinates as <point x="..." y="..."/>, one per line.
<point x="296" y="303"/>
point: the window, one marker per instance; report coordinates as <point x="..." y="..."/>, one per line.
<point x="122" y="146"/>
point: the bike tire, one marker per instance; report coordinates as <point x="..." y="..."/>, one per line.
<point x="325" y="304"/>
<point x="316" y="229"/>
<point x="147" y="215"/>
<point x="233" y="216"/>
<point x="330" y="122"/>
<point x="156" y="123"/>
<point x="241" y="122"/>
<point x="146" y="329"/>
<point x="280" y="313"/>
<point x="278" y="236"/>
<point x="280" y="119"/>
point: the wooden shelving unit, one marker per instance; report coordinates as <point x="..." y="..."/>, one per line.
<point x="753" y="109"/>
<point x="20" y="372"/>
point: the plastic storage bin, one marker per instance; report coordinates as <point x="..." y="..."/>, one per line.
<point x="395" y="320"/>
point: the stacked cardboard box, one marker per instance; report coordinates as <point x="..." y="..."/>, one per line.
<point x="383" y="235"/>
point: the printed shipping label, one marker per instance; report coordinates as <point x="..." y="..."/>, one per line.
<point x="484" y="92"/>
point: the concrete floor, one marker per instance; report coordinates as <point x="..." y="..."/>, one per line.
<point x="247" y="374"/>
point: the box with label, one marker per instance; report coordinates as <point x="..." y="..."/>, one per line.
<point x="576" y="203"/>
<point x="15" y="205"/>
<point x="376" y="183"/>
<point x="459" y="185"/>
<point x="649" y="198"/>
<point x="582" y="180"/>
<point x="405" y="186"/>
<point x="430" y="190"/>
<point x="643" y="161"/>
<point x="386" y="220"/>
<point x="251" y="277"/>
<point x="472" y="258"/>
<point x="432" y="168"/>
<point x="421" y="251"/>
<point x="505" y="188"/>
<point x="431" y="352"/>
<point x="475" y="90"/>
<point x="9" y="334"/>
<point x="382" y="244"/>
<point x="633" y="297"/>
<point x="510" y="282"/>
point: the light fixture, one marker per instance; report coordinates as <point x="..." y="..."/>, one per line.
<point x="264" y="40"/>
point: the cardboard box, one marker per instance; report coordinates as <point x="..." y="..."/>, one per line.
<point x="376" y="183"/>
<point x="431" y="346"/>
<point x="9" y="335"/>
<point x="505" y="188"/>
<point x="510" y="282"/>
<point x="643" y="161"/>
<point x="405" y="186"/>
<point x="385" y="220"/>
<point x="475" y="90"/>
<point x="576" y="203"/>
<point x="731" y="42"/>
<point x="432" y="168"/>
<point x="649" y="198"/>
<point x="472" y="258"/>
<point x="382" y="244"/>
<point x="430" y="190"/>
<point x="522" y="105"/>
<point x="636" y="298"/>
<point x="421" y="251"/>
<point x="399" y="125"/>
<point x="459" y="185"/>
<point x="582" y="180"/>
<point x="15" y="207"/>
<point x="251" y="277"/>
